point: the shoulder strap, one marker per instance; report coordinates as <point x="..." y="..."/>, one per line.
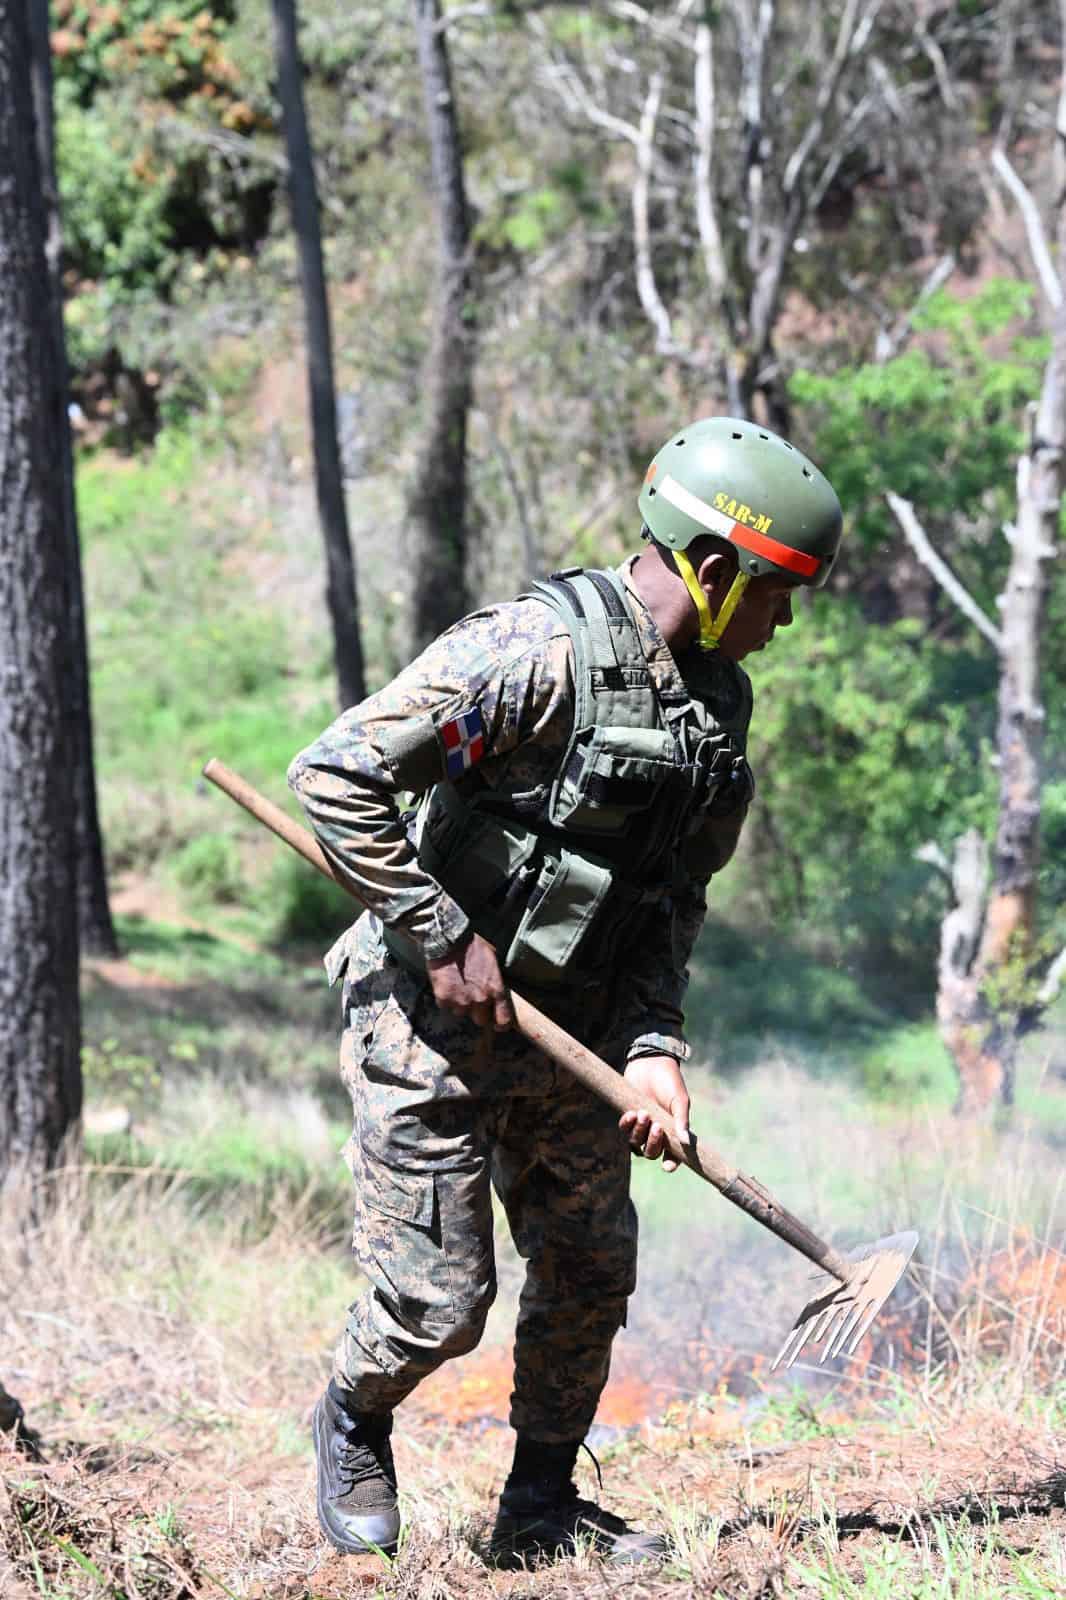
<point x="612" y="685"/>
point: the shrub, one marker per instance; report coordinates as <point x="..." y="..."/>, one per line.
<point x="209" y="868"/>
<point x="305" y="907"/>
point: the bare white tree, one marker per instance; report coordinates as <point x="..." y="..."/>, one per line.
<point x="741" y="119"/>
<point x="994" y="981"/>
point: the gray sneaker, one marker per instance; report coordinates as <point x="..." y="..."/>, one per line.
<point x="357" y="1508"/>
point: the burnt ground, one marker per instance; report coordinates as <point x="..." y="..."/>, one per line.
<point x="971" y="1504"/>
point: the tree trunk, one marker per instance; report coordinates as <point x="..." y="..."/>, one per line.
<point x="13" y="1421"/>
<point x="437" y="500"/>
<point x="96" y="930"/>
<point x="341" y="593"/>
<point x="40" y="1076"/>
<point x="984" y="1002"/>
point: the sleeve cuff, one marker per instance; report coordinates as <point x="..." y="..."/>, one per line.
<point x="450" y="926"/>
<point x="659" y="1044"/>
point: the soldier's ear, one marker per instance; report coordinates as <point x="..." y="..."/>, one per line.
<point x="715" y="574"/>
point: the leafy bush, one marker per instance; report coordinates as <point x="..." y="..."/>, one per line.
<point x="112" y="1071"/>
<point x="115" y="223"/>
<point x="156" y="171"/>
<point x="209" y="868"/>
<point x="866" y="745"/>
<point x="872" y="741"/>
<point x="178" y="44"/>
<point x="304" y="906"/>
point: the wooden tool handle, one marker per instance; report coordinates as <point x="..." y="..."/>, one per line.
<point x="574" y="1058"/>
<point x="747" y="1193"/>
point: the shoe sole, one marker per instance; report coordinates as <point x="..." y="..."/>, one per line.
<point x="348" y="1547"/>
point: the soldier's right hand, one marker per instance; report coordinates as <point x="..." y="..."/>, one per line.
<point x="468" y="983"/>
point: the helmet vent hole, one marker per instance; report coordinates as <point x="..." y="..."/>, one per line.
<point x="679" y="442"/>
<point x="764" y="436"/>
<point x="651" y="492"/>
<point x="806" y="472"/>
<point x="786" y="444"/>
<point x="737" y="435"/>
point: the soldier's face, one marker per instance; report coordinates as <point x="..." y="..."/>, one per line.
<point x="766" y="606"/>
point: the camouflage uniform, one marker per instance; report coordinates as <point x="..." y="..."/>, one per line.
<point x="442" y="1108"/>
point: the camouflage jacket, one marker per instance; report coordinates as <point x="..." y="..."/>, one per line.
<point x="516" y="661"/>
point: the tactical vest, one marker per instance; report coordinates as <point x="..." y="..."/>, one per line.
<point x="567" y="881"/>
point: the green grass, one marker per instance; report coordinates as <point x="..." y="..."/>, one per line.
<point x="242" y="1160"/>
<point x="947" y="1561"/>
<point x="208" y="1008"/>
<point x="188" y="659"/>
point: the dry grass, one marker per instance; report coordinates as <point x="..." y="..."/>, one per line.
<point x="170" y="1338"/>
<point x="169" y="1353"/>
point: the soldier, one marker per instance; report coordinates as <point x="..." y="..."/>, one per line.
<point x="578" y="761"/>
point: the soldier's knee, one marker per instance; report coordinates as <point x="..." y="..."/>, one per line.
<point x="468" y="1325"/>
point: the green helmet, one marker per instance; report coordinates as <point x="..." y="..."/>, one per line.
<point x="745" y="484"/>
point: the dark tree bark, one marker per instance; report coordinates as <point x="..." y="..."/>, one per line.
<point x="95" y="927"/>
<point x="40" y="1074"/>
<point x="437" y="502"/>
<point x="13" y="1421"/>
<point x="341" y="594"/>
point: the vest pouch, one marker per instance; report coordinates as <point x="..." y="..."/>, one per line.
<point x="562" y="908"/>
<point x="473" y="855"/>
<point x="612" y="776"/>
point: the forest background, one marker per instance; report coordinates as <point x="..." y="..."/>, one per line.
<point x="907" y="340"/>
<point x="821" y="215"/>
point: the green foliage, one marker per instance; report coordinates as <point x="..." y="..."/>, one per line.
<point x="867" y="744"/>
<point x="235" y="1161"/>
<point x="889" y="729"/>
<point x="751" y="989"/>
<point x="181" y="655"/>
<point x="531" y="217"/>
<point x="113" y="1071"/>
<point x="115" y="223"/>
<point x="940" y="425"/>
<point x="209" y="868"/>
<point x="303" y="906"/>
<point x="188" y="661"/>
<point x="156" y="170"/>
<point x="175" y="42"/>
<point x="910" y="1065"/>
<point x="193" y="957"/>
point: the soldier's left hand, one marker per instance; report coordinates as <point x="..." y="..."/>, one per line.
<point x="658" y="1079"/>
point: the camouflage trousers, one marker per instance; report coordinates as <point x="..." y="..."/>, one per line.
<point x="443" y="1111"/>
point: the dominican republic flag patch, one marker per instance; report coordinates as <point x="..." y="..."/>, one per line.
<point x="463" y="739"/>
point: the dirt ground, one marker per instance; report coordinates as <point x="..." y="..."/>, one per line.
<point x="234" y="1518"/>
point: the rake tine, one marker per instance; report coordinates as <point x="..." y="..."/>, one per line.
<point x="806" y="1331"/>
<point x="797" y="1338"/>
<point x="818" y="1322"/>
<point x="840" y="1322"/>
<point x="866" y="1325"/>
<point x="856" y="1312"/>
<point x="843" y="1314"/>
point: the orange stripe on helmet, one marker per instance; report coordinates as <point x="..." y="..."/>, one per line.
<point x="782" y="555"/>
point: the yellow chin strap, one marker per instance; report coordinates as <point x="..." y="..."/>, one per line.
<point x="711" y="627"/>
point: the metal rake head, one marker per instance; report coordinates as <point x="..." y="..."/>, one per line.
<point x="841" y="1313"/>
